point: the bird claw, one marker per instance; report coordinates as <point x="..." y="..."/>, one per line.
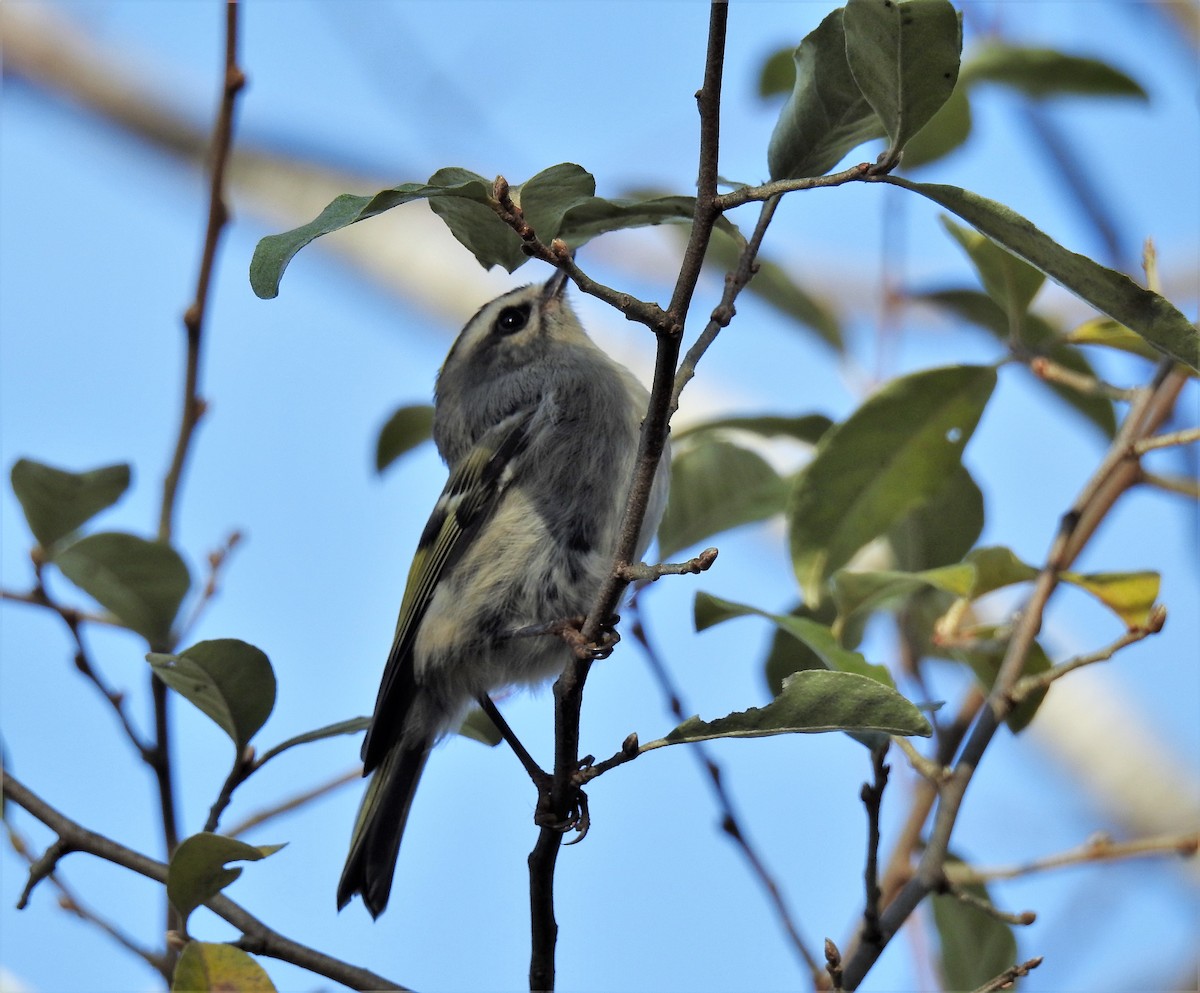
<point x="571" y="631"/>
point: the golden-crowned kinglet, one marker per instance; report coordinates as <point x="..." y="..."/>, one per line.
<point x="539" y="428"/>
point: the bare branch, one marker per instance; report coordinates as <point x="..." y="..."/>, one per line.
<point x="1022" y="919"/>
<point x="1005" y="980"/>
<point x="70" y="902"/>
<point x="730" y="822"/>
<point x="1119" y="470"/>
<point x="256" y="936"/>
<point x="1100" y="848"/>
<point x="74" y="620"/>
<point x="640" y="572"/>
<point x="294" y="802"/>
<point x="872" y="798"/>
<point x="1036" y="682"/>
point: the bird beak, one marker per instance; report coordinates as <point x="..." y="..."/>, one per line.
<point x="553" y="290"/>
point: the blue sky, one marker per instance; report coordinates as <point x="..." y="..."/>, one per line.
<point x="99" y="240"/>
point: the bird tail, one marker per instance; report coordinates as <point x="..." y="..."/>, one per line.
<point x="375" y="842"/>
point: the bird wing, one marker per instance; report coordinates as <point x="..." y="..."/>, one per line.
<point x="468" y="499"/>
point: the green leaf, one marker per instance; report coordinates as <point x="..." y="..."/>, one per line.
<point x="141" y="582"/>
<point x="826" y="115"/>
<point x="1043" y="72"/>
<point x="709" y="610"/>
<point x="1040" y="338"/>
<point x="1129" y="595"/>
<point x="715" y="486"/>
<point x="479" y="727"/>
<point x="943" y="529"/>
<point x="1011" y="283"/>
<point x="788" y="654"/>
<point x="804" y="427"/>
<point x="211" y="967"/>
<point x="350" y="726"/>
<point x="230" y="681"/>
<point x="778" y="74"/>
<point x="812" y="701"/>
<point x="893" y="454"/>
<point x="854" y="592"/>
<point x="904" y="57"/>
<point x="473" y="223"/>
<point x="547" y="197"/>
<point x="56" y="502"/>
<point x="947" y="130"/>
<point x="1110" y="292"/>
<point x="1107" y="332"/>
<point x="975" y="946"/>
<point x="598" y="216"/>
<point x="197" y="870"/>
<point x="274" y="252"/>
<point x="984" y="655"/>
<point x="996" y="567"/>
<point x="404" y="430"/>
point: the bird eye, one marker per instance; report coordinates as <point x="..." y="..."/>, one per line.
<point x="512" y="319"/>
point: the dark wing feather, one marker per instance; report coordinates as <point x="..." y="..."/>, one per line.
<point x="468" y="499"/>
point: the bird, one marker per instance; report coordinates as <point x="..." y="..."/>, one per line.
<point x="539" y="429"/>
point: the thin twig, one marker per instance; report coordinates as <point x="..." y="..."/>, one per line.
<point x="1183" y="485"/>
<point x="193" y="318"/>
<point x="1184" y="437"/>
<point x="559" y="255"/>
<point x="74" y="620"/>
<point x="299" y="800"/>
<point x="568" y="689"/>
<point x="730" y="822"/>
<point x="1006" y="979"/>
<point x="1083" y="384"/>
<point x="872" y="798"/>
<point x="723" y="313"/>
<point x="256" y="938"/>
<point x="1022" y="919"/>
<point x="69" y="901"/>
<point x="641" y="573"/>
<point x="769" y="191"/>
<point x="193" y="409"/>
<point x="1036" y="682"/>
<point x="1098" y="849"/>
<point x="243" y="765"/>
<point x="1118" y="471"/>
<point x="217" y="560"/>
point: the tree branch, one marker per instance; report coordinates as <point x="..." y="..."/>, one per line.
<point x="1098" y="849"/>
<point x="730" y="822"/>
<point x="1118" y="471"/>
<point x="1005" y="980"/>
<point x="568" y="690"/>
<point x="256" y="937"/>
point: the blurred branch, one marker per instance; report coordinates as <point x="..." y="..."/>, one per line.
<point x="1071" y="169"/>
<point x="70" y="902"/>
<point x="74" y="620"/>
<point x="1008" y="977"/>
<point x="1098" y="849"/>
<point x="722" y="314"/>
<point x="730" y="823"/>
<point x="1118" y="471"/>
<point x="294" y="802"/>
<point x="1036" y="682"/>
<point x="217" y="560"/>
<point x="256" y="938"/>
